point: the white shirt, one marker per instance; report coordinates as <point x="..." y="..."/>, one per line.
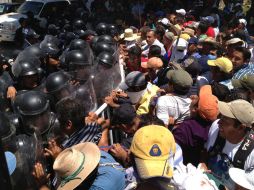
<point x="156" y="42"/>
<point x="173" y="106"/>
<point x="229" y="149"/>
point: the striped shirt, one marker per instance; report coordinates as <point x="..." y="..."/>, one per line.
<point x="245" y="70"/>
<point x="89" y="133"/>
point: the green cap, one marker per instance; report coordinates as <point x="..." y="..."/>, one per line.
<point x="246" y="82"/>
<point x="180" y="79"/>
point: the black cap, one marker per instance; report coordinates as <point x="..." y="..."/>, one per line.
<point x="124" y="114"/>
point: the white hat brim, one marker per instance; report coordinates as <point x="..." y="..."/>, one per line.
<point x="134" y="37"/>
<point x="238" y="176"/>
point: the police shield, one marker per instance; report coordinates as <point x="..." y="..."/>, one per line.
<point x="85" y="95"/>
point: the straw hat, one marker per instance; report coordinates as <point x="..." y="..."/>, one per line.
<point x="74" y="164"/>
<point x="128" y="35"/>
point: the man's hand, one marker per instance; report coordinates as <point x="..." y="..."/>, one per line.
<point x="11" y="92"/>
<point x="118" y="94"/>
<point x="119" y="152"/>
<point x="110" y="101"/>
<point x="104" y="123"/>
<point x="40" y="176"/>
<point x="53" y="61"/>
<point x="53" y="149"/>
<point x="91" y="118"/>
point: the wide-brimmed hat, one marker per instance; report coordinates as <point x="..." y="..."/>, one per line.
<point x="234" y="41"/>
<point x="75" y="164"/>
<point x="244" y="178"/>
<point x="129" y="35"/>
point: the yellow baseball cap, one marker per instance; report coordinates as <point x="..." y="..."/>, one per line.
<point x="223" y="63"/>
<point x="185" y="36"/>
<point x="153" y="146"/>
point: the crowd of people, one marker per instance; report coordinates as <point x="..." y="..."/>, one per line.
<point x="178" y="82"/>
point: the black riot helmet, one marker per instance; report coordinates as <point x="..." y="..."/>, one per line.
<point x="24" y="68"/>
<point x="79" y="25"/>
<point x="79" y="34"/>
<point x="33" y="106"/>
<point x="69" y="36"/>
<point x="78" y="44"/>
<point x="33" y="103"/>
<point x="56" y="81"/>
<point x="113" y="30"/>
<point x="106" y="59"/>
<point x="49" y="48"/>
<point x="53" y="29"/>
<point x="101" y="28"/>
<point x="77" y="57"/>
<point x="106" y="38"/>
<point x="35" y="51"/>
<point x="102" y="46"/>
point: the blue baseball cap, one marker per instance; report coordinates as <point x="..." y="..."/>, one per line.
<point x="193" y="40"/>
<point x="11" y="161"/>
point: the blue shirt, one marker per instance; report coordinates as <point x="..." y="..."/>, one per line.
<point x="245" y="70"/>
<point x="89" y="133"/>
<point x="111" y="175"/>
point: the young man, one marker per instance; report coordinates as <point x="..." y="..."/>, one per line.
<point x="240" y="59"/>
<point x="75" y="126"/>
<point x="151" y="40"/>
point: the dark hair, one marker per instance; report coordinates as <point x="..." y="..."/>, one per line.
<point x="151" y="30"/>
<point x="145" y="29"/>
<point x="236" y="94"/>
<point x="203" y="27"/>
<point x="220" y="91"/>
<point x="70" y="109"/>
<point x="21" y="20"/>
<point x="179" y="19"/>
<point x="160" y="31"/>
<point x="154" y="51"/>
<point x="246" y="52"/>
<point x="147" y="119"/>
<point x="135" y="50"/>
<point x="180" y="91"/>
<point x="240" y="34"/>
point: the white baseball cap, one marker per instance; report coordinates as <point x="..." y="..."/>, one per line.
<point x="244" y="178"/>
<point x="243" y="21"/>
<point x="181" y="11"/>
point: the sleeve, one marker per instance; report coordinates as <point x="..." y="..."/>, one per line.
<point x="165" y="108"/>
<point x="162" y="110"/>
<point x="95" y="132"/>
<point x="180" y="135"/>
<point x="212" y="135"/>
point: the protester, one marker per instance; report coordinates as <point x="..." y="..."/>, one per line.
<point x="155" y="95"/>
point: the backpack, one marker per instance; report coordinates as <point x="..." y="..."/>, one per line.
<point x="242" y="153"/>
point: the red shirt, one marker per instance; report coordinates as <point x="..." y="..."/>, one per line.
<point x="210" y="32"/>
